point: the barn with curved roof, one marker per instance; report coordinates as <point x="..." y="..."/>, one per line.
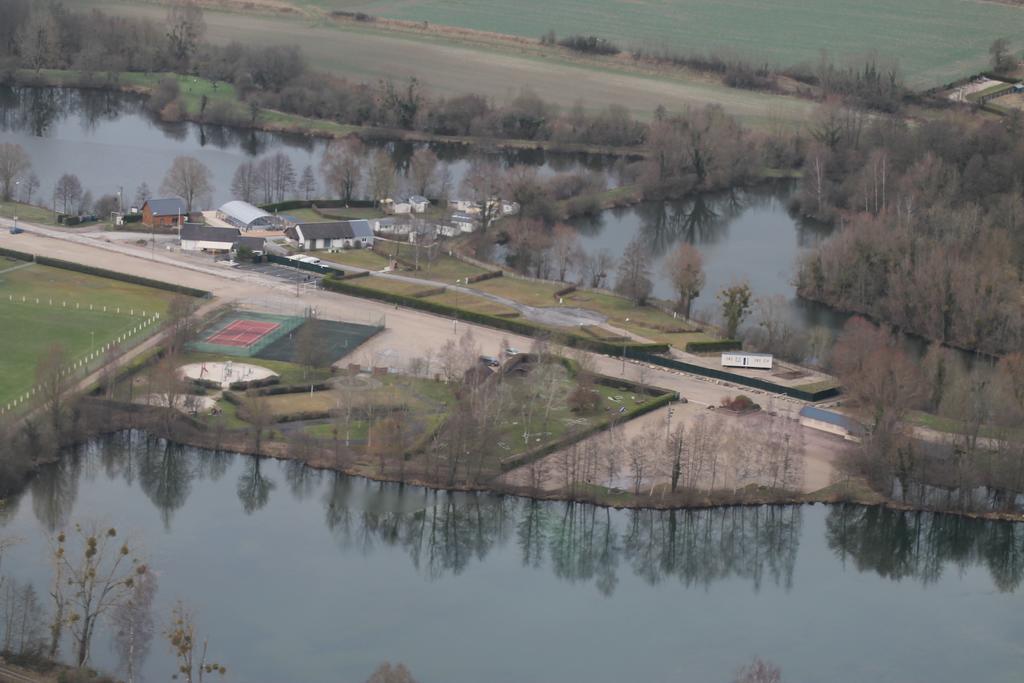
<point x="245" y="216"/>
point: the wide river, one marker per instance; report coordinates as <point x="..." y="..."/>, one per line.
<point x="309" y="576"/>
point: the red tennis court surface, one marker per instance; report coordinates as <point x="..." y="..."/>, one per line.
<point x="243" y="333"/>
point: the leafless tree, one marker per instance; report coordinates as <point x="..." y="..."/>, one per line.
<point x="96" y="575"/>
<point x="29" y="187"/>
<point x="596" y="268"/>
<point x="133" y="625"/>
<point x="14" y="164"/>
<point x="185" y="28"/>
<point x="386" y="673"/>
<point x="759" y="671"/>
<point x="342" y="167"/>
<point x="189" y="179"/>
<point x="423" y="170"/>
<point x="565" y="247"/>
<point x="39" y="41"/>
<point x="53" y="380"/>
<point x="307" y="183"/>
<point x="256" y="411"/>
<point x="684" y="267"/>
<point x="483" y="182"/>
<point x="190" y="649"/>
<point x="382" y="176"/>
<point x="245" y="182"/>
<point x="633" y="279"/>
<point x="67" y="192"/>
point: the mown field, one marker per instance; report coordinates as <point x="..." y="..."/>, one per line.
<point x="934" y="41"/>
<point x="363" y="53"/>
<point x="30" y="328"/>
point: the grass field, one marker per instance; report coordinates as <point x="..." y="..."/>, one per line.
<point x="359" y="258"/>
<point x="26" y="212"/>
<point x="29" y="329"/>
<point x="934" y="41"/>
<point x="448" y="68"/>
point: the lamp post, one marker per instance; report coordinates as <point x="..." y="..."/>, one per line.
<point x="14" y="204"/>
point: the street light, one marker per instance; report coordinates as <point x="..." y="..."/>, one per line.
<point x="14" y="204"/>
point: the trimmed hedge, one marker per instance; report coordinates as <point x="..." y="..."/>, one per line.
<point x="317" y="203"/>
<point x="292" y="389"/>
<point x="484" y="276"/>
<point x="713" y="346"/>
<point x="109" y="274"/>
<point x="514" y="325"/>
<point x="433" y="291"/>
<point x="353" y="276"/>
<point x="565" y="291"/>
<point x="20" y="255"/>
<point x="254" y="384"/>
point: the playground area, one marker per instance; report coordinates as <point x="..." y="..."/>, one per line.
<point x="226" y="373"/>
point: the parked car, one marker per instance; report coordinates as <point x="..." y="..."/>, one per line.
<point x="512" y="352"/>
<point x="490" y="360"/>
<point x="16" y="231"/>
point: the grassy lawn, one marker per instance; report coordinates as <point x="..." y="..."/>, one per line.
<point x="420" y="396"/>
<point x="27" y="212"/>
<point x="348" y="213"/>
<point x="385" y="285"/>
<point x="30" y="328"/>
<point x="447" y="269"/>
<point x="950" y="425"/>
<point x="359" y="258"/>
<point x="527" y="292"/>
<point x="475" y="304"/>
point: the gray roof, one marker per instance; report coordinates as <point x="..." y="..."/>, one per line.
<point x="199" y="232"/>
<point x="838" y="419"/>
<point x="243" y="212"/>
<point x="251" y="243"/>
<point x="335" y="230"/>
<point x="167" y="206"/>
<point x="418" y="199"/>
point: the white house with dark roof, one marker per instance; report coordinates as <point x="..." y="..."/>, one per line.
<point x="331" y="235"/>
<point x="199" y="237"/>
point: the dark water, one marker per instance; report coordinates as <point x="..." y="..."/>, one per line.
<point x="307" y="576"/>
<point x="744" y="235"/>
<point x="110" y="140"/>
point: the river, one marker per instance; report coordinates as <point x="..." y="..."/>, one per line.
<point x="111" y="141"/>
<point x="310" y="576"/>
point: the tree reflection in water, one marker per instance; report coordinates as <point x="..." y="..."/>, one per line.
<point x="443" y="533"/>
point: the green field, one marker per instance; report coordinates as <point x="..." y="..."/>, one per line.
<point x="447" y="67"/>
<point x="30" y="328"/>
<point x="934" y="41"/>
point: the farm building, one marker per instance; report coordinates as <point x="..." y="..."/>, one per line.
<point x="738" y="359"/>
<point x="245" y="216"/>
<point x="256" y="245"/>
<point x="164" y="212"/>
<point x="331" y="235"/>
<point x="833" y="423"/>
<point x="199" y="237"/>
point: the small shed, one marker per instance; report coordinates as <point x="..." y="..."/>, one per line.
<point x="199" y="237"/>
<point x="832" y="422"/>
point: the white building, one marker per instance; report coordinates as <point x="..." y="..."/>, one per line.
<point x="740" y="359"/>
<point x="199" y="237"/>
<point x="833" y="423"/>
<point x="418" y="203"/>
<point x="245" y="216"/>
<point x="464" y="222"/>
<point x="332" y="235"/>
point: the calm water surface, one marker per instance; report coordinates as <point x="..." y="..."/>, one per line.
<point x="307" y="576"/>
<point x="111" y="140"/>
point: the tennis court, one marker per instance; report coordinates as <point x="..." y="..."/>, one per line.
<point x="242" y="333"/>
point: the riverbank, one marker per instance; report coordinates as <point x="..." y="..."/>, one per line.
<point x="206" y="102"/>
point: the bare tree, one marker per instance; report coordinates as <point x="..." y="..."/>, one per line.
<point x="133" y="625"/>
<point x="759" y="671"/>
<point x="189" y="648"/>
<point x="14" y="164"/>
<point x="307" y="183"/>
<point x="282" y="176"/>
<point x="423" y="170"/>
<point x="342" y="168"/>
<point x="39" y="39"/>
<point x="185" y="28"/>
<point x="565" y="247"/>
<point x="596" y="268"/>
<point x="1000" y="56"/>
<point x="96" y="575"/>
<point x="633" y="279"/>
<point x="189" y="179"/>
<point x="53" y="381"/>
<point x="142" y="193"/>
<point x="382" y="176"/>
<point x="29" y="187"/>
<point x="67" y="191"/>
<point x="386" y="673"/>
<point x="684" y="268"/>
<point x="256" y="411"/>
<point x="245" y="182"/>
<point x="483" y="182"/>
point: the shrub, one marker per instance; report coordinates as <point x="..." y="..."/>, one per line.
<point x="714" y="346"/>
<point x="739" y="404"/>
<point x="590" y="44"/>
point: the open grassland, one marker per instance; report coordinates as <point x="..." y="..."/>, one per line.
<point x="358" y="258"/>
<point x="934" y="41"/>
<point x="363" y="53"/>
<point x="30" y="328"/>
<point x="27" y="212"/>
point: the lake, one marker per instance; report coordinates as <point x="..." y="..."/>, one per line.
<point x="110" y="141"/>
<point x="299" y="575"/>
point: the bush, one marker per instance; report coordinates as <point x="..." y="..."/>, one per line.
<point x="484" y="276"/>
<point x="739" y="404"/>
<point x="590" y="45"/>
<point x="584" y="399"/>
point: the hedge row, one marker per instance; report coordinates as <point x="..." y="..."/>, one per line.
<point x="432" y="291"/>
<point x="109" y="274"/>
<point x="20" y="255"/>
<point x="527" y="457"/>
<point x="484" y="276"/>
<point x="253" y="384"/>
<point x="565" y="291"/>
<point x="514" y="325"/>
<point x="353" y="276"/>
<point x="713" y="346"/>
<point x="317" y="203"/>
<point x="291" y="389"/>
